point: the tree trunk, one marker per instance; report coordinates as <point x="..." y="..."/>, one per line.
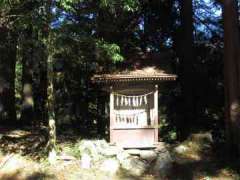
<point x="186" y="59"/>
<point x="232" y="74"/>
<point x="8" y="52"/>
<point x="46" y="36"/>
<point x="51" y="110"/>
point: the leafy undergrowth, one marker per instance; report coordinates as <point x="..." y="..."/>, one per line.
<point x="194" y="159"/>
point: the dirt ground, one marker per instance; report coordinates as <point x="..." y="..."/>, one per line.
<point x="193" y="159"/>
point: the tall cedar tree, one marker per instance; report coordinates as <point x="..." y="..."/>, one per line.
<point x="187" y="58"/>
<point x="232" y="74"/>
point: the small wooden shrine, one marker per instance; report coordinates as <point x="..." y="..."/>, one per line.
<point x="134" y="104"/>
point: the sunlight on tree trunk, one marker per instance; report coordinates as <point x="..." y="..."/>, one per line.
<point x="50" y="105"/>
<point x="47" y="40"/>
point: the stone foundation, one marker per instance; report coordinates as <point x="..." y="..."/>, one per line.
<point x="135" y="162"/>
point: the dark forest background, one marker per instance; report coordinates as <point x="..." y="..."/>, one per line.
<point x="49" y="51"/>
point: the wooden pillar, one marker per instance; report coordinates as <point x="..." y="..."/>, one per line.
<point x="156" y="114"/>
<point x="111" y="105"/>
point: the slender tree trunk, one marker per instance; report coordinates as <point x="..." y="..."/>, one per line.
<point x="50" y="79"/>
<point x="186" y="60"/>
<point x="51" y="110"/>
<point x="232" y="74"/>
<point x="8" y="51"/>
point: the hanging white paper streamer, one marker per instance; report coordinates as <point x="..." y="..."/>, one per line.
<point x="140" y="103"/>
<point x="121" y="101"/>
<point x="145" y="99"/>
<point x="126" y="101"/>
<point x="117" y="100"/>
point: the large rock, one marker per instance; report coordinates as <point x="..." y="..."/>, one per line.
<point x="91" y="148"/>
<point x="87" y="146"/>
<point x="148" y="155"/>
<point x="110" y="166"/>
<point x="134" y="166"/>
<point x="111" y="151"/>
<point x="163" y="164"/>
<point x="100" y="145"/>
<point x="122" y="156"/>
<point x="134" y="152"/>
<point x="181" y="149"/>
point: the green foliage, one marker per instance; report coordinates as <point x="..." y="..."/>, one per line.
<point x="67" y="4"/>
<point x="131" y="5"/>
<point x="128" y="5"/>
<point x="111" y="51"/>
<point x="168" y="131"/>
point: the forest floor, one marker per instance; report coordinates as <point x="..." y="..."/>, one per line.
<point x="22" y="158"/>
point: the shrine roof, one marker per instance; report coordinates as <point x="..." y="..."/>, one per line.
<point x="147" y="67"/>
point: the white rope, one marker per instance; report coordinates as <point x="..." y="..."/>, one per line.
<point x="128" y="96"/>
<point x="135" y="101"/>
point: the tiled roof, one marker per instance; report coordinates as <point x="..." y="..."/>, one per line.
<point x="145" y="74"/>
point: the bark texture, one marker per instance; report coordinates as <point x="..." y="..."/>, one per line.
<point x="232" y="74"/>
